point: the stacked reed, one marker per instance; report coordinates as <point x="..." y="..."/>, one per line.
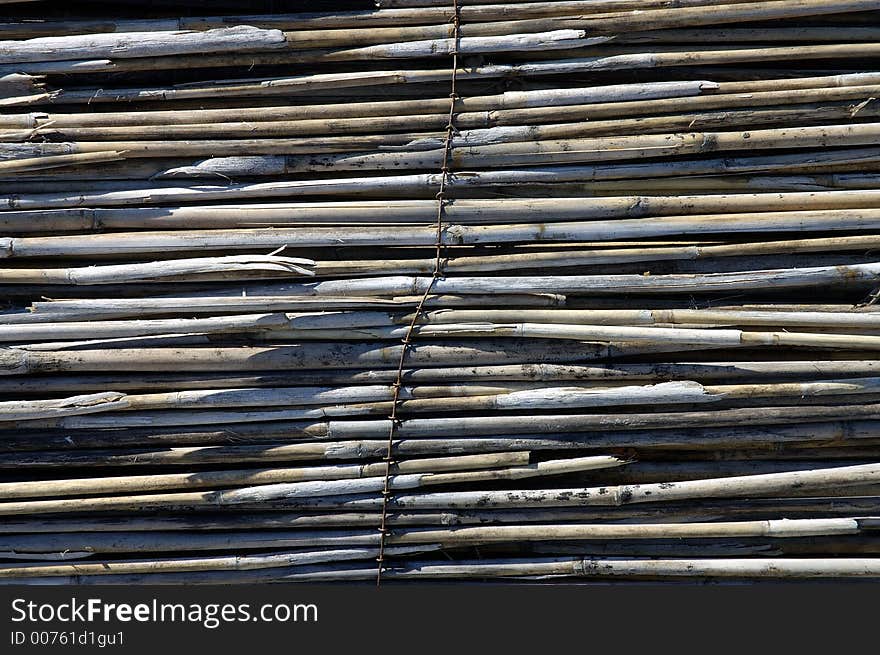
<point x="608" y="310"/>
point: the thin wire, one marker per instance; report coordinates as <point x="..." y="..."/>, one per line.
<point x="445" y="172"/>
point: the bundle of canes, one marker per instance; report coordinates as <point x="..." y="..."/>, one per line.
<point x="440" y="289"/>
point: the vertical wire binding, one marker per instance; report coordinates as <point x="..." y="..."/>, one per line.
<point x="419" y="311"/>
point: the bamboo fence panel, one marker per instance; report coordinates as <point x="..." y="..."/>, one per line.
<point x="609" y="311"/>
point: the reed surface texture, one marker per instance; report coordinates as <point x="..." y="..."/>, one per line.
<point x="558" y="291"/>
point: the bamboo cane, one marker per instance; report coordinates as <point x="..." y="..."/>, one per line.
<point x="149" y="483"/>
<point x="319" y="488"/>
